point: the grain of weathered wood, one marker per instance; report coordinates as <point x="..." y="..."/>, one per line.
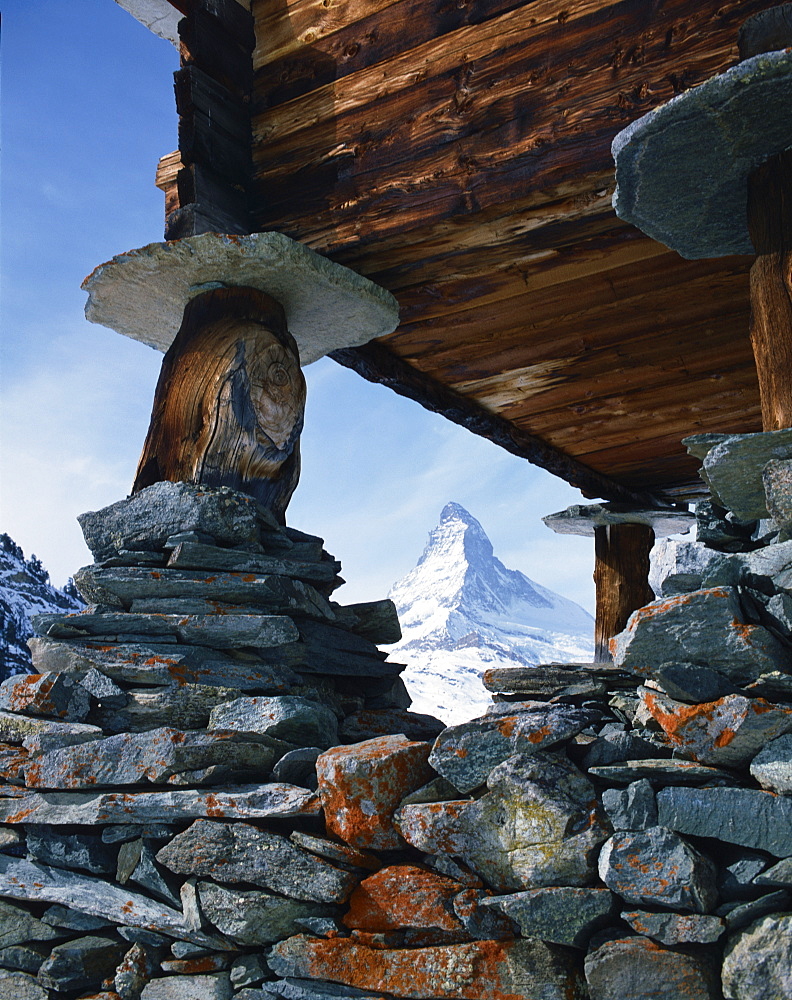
<point x="220" y="39"/>
<point x="196" y="91"/>
<point x="770" y="226"/>
<point x="228" y="408"/>
<point x="166" y="179"/>
<point x="621" y="579"/>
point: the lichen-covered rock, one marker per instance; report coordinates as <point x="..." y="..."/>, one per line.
<point x="482" y="922"/>
<point x="772" y="766"/>
<point x="757" y="963"/>
<point x="50" y="694"/>
<point x="21" y="986"/>
<point x="434" y="827"/>
<point x="656" y="867"/>
<point x="239" y="852"/>
<point x="133" y="972"/>
<point x="465" y="754"/>
<point x="284" y="717"/>
<point x="252" y="918"/>
<point x="676" y="928"/>
<point x="540" y="824"/>
<point x="479" y="970"/>
<point x="362" y="784"/>
<point x="704" y="627"/>
<point x="637" y="968"/>
<point x="728" y="732"/>
<point x="370" y="723"/>
<point x="403" y="896"/>
<point x="777" y="482"/>
<point x="559" y="914"/>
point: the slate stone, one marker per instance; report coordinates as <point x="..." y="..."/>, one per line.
<point x="780" y="874"/>
<point x="582" y="519"/>
<point x="637" y="968"/>
<point x="104" y="691"/>
<point x="341" y="854"/>
<point x="772" y="766"/>
<point x="18" y="926"/>
<point x="218" y="631"/>
<point x="49" y="694"/>
<point x="766" y="571"/>
<point x="303" y="989"/>
<point x="148" y="518"/>
<point x="373" y="620"/>
<point x="777" y="483"/>
<point x="322" y="926"/>
<point x="362" y="784"/>
<point x="190" y="905"/>
<point x="437" y="790"/>
<point x="473" y="971"/>
<point x="465" y="754"/>
<point x="141" y="869"/>
<point x="727" y="732"/>
<point x="743" y="914"/>
<point x="718" y="529"/>
<point x="253" y="918"/>
<point x="547" y="681"/>
<point x="434" y="827"/>
<point x="248" y="970"/>
<point x="692" y="682"/>
<point x="83" y="851"/>
<point x="559" y="914"/>
<point x="298" y="767"/>
<point x="134" y="970"/>
<point x="614" y="747"/>
<point x="151" y="757"/>
<point x="46" y="732"/>
<point x="284" y="717"/>
<point x="131" y="831"/>
<point x="631" y="808"/>
<point x="676" y="771"/>
<point x="700" y="627"/>
<point x="120" y="586"/>
<point x="21" y="986"/>
<point x="480" y="921"/>
<point x="24" y="957"/>
<point x="676" y="928"/>
<point x="744" y="816"/>
<point x="738" y="869"/>
<point x="233" y="801"/>
<point x="189" y="554"/>
<point x="197" y="965"/>
<point x="214" y="987"/>
<point x="656" y="867"/>
<point x="82" y="962"/>
<point x="371" y="723"/>
<point x="9" y="838"/>
<point x="185" y="706"/>
<point x="677" y="567"/>
<point x="540" y="824"/>
<point x="73" y="920"/>
<point x="168" y="665"/>
<point x="149" y="939"/>
<point x="239" y="852"/>
<point x="97" y="897"/>
<point x="757" y="963"/>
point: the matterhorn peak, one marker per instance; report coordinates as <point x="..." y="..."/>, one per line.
<point x="462" y="611"/>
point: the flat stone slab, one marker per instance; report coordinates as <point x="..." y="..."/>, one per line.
<point x="142" y="293"/>
<point x="681" y="170"/>
<point x="274" y="801"/>
<point x="680" y="772"/>
<point x="582" y="519"/>
<point x="560" y="914"/>
<point x="639" y="969"/>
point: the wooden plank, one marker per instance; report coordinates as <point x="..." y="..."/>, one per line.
<point x="201" y="142"/>
<point x="197" y="184"/>
<point x="166" y="179"/>
<point x="377" y="364"/>
<point x="220" y="39"/>
<point x="621" y="579"/>
<point x="197" y="93"/>
<point x="195" y="218"/>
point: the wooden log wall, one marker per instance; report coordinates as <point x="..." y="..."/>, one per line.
<point x="213" y="94"/>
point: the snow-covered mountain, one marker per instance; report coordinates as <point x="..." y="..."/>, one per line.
<point x="25" y="590"/>
<point x="462" y="611"/>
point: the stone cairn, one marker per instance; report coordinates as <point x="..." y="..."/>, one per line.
<point x="213" y="787"/>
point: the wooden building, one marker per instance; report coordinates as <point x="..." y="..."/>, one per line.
<point x="458" y="153"/>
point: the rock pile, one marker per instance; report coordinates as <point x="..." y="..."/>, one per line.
<point x="214" y="787"/>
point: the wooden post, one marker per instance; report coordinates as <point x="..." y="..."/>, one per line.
<point x="770" y="226"/>
<point x="228" y="408"/>
<point x="621" y="579"/>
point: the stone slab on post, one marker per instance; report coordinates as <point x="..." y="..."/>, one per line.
<point x="710" y="174"/>
<point x="623" y="539"/>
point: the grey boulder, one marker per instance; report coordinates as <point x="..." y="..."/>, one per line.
<point x="757" y="963"/>
<point x="254" y="918"/>
<point x="772" y="766"/>
<point x="283" y="717"/>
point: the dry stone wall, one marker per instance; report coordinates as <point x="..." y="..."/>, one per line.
<point x="213" y="786"/>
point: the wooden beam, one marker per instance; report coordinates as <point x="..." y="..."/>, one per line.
<point x="377" y="364"/>
<point x="621" y="579"/>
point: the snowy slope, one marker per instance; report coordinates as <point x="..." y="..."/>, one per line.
<point x="25" y="590"/>
<point x="462" y="611"/>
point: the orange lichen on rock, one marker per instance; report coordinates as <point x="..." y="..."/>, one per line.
<point x="404" y="896"/>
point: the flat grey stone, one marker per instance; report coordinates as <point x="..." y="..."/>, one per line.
<point x="582" y="519"/>
<point x="218" y="631"/>
<point x="777" y="482"/>
<point x="682" y="169"/>
<point x="274" y="801"/>
<point x="152" y="757"/>
<point x="772" y="766"/>
<point x="304" y="989"/>
<point x="560" y="914"/>
<point x="213" y="987"/>
<point x="21" y="729"/>
<point x="704" y="627"/>
<point x="283" y="717"/>
<point x="744" y="816"/>
<point x="58" y="915"/>
<point x="147" y="519"/>
<point x="38" y="883"/>
<point x="757" y="963"/>
<point x="676" y="928"/>
<point x="144" y="873"/>
<point x="767" y="570"/>
<point x="125" y="585"/>
<point x="21" y="986"/>
<point x="47" y="694"/>
<point x="465" y="754"/>
<point x="370" y="723"/>
<point x="165" y="665"/>
<point x="617" y="747"/>
<point x="18" y="926"/>
<point x="538" y="825"/>
<point x="142" y="294"/>
<point x="692" y="682"/>
<point x="343" y="854"/>
<point x="192" y="555"/>
<point x="736" y="878"/>
<point x="248" y="970"/>
<point x="83" y="851"/>
<point x="137" y="966"/>
<point x="298" y="767"/>
<point x="104" y="691"/>
<point x="746" y="913"/>
<point x="656" y="867"/>
<point x="718" y="529"/>
<point x="546" y="681"/>
<point x="733" y="467"/>
<point x="82" y="962"/>
<point x="780" y="874"/>
<point x="482" y="922"/>
<point x="677" y="567"/>
<point x="631" y="808"/>
<point x="373" y="620"/>
<point x="185" y="706"/>
<point x="238" y="852"/>
<point x="680" y="772"/>
<point x="253" y="918"/>
<point x="637" y="968"/>
<point x="24" y="957"/>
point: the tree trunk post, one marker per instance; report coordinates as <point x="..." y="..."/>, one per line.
<point x="621" y="579"/>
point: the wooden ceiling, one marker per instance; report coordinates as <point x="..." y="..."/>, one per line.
<point x="458" y="153"/>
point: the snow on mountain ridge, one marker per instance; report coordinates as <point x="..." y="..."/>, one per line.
<point x="462" y="611"/>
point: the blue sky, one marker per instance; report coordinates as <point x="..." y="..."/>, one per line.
<point x="87" y="112"/>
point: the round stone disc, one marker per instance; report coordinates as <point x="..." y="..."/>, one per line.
<point x="142" y="293"/>
<point x="682" y="169"/>
<point x="582" y="519"/>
